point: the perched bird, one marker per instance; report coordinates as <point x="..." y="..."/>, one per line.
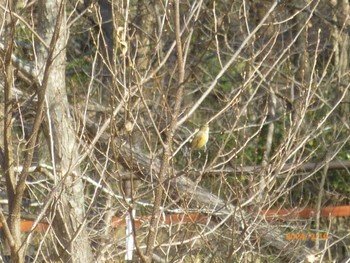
<point x="201" y="138"/>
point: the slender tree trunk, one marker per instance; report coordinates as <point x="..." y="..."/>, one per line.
<point x="17" y="253"/>
<point x="340" y="39"/>
<point x="68" y="221"/>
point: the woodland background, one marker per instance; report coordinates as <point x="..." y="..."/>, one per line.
<point x="100" y="99"/>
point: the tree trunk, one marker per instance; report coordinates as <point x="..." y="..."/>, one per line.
<point x="68" y="220"/>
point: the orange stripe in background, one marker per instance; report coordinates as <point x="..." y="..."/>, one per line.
<point x="305" y="213"/>
<point x="283" y="214"/>
<point x="165" y="220"/>
<point x="26" y="226"/>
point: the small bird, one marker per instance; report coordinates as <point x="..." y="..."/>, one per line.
<point x="201" y="138"/>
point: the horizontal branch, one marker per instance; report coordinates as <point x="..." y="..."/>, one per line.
<point x="27" y="69"/>
<point x="305" y="167"/>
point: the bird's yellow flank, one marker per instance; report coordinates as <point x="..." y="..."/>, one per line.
<point x="201" y="138"/>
